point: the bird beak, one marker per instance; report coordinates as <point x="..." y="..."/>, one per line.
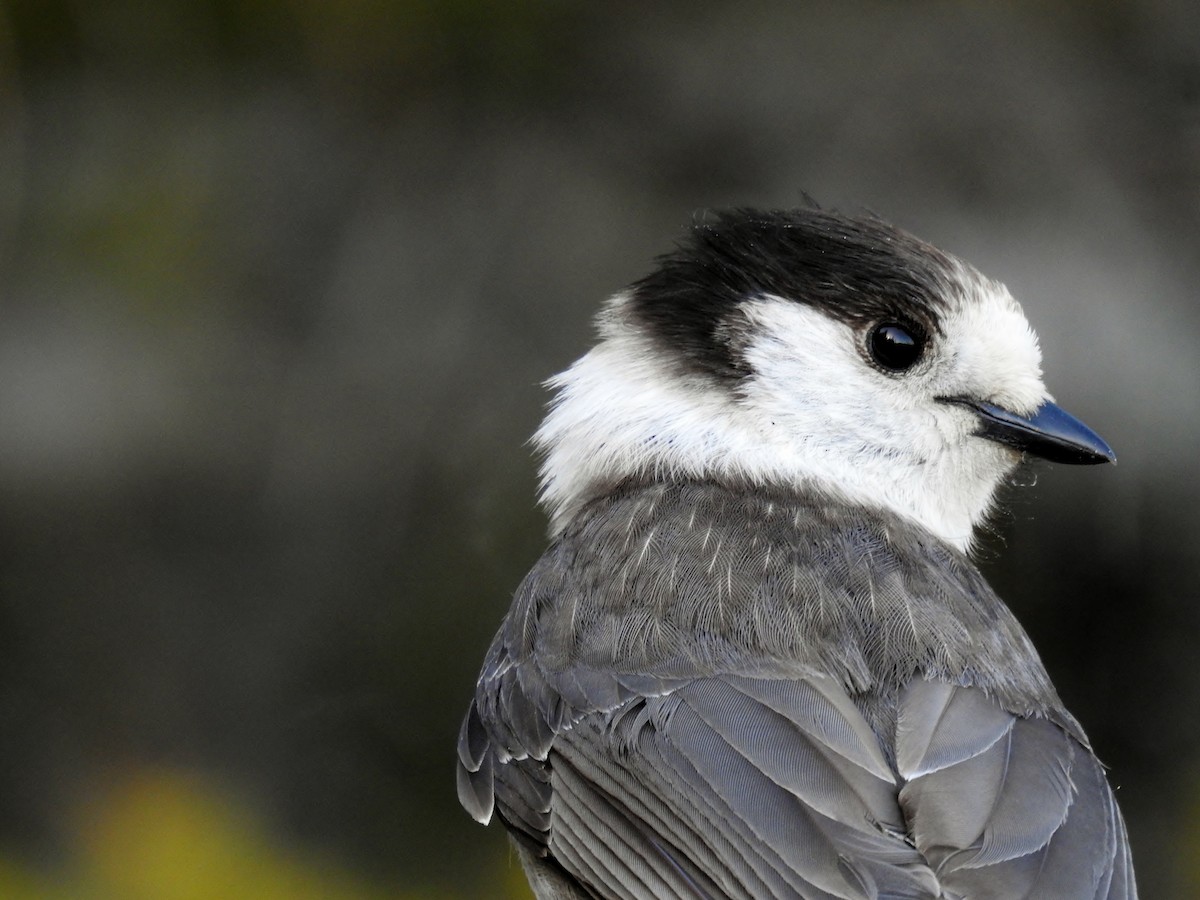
<point x="1051" y="433"/>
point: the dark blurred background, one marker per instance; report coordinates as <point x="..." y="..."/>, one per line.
<point x="278" y="284"/>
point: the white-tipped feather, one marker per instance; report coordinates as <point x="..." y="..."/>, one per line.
<point x="815" y="411"/>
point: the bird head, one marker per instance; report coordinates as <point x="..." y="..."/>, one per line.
<point x="814" y="350"/>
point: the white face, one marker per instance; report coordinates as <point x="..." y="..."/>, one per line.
<point x="816" y="412"/>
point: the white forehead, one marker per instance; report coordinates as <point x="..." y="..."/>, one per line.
<point x="987" y="348"/>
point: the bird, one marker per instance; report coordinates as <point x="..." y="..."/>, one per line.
<point x="757" y="658"/>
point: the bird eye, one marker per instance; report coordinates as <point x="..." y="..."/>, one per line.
<point x="895" y="347"/>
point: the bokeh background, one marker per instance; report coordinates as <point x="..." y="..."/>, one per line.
<point x="278" y="284"/>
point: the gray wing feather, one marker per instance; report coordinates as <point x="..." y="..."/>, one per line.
<point x="1026" y="815"/>
<point x="1120" y="884"/>
<point x="825" y="712"/>
<point x="475" y="768"/>
<point x="795" y="761"/>
<point x="778" y="787"/>
<point x="940" y="725"/>
<point x="596" y="841"/>
<point x="524" y="793"/>
<point x="845" y="710"/>
<point x="675" y="816"/>
<point x="764" y="814"/>
<point x="746" y="797"/>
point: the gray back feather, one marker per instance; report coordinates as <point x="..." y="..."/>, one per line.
<point x="706" y="692"/>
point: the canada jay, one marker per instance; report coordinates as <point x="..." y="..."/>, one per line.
<point x="756" y="659"/>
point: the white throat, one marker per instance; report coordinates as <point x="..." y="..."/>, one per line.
<point x="813" y="416"/>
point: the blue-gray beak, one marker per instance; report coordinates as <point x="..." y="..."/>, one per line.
<point x="1051" y="433"/>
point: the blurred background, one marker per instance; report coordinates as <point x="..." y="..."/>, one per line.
<point x="278" y="284"/>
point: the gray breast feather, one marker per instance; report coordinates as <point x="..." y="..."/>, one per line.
<point x="707" y="693"/>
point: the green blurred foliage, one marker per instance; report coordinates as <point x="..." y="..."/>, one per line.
<point x="166" y="835"/>
<point x="408" y="47"/>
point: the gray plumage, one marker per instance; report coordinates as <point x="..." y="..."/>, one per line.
<point x="756" y="660"/>
<point x="828" y="701"/>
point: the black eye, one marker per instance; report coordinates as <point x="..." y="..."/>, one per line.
<point x="895" y="347"/>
